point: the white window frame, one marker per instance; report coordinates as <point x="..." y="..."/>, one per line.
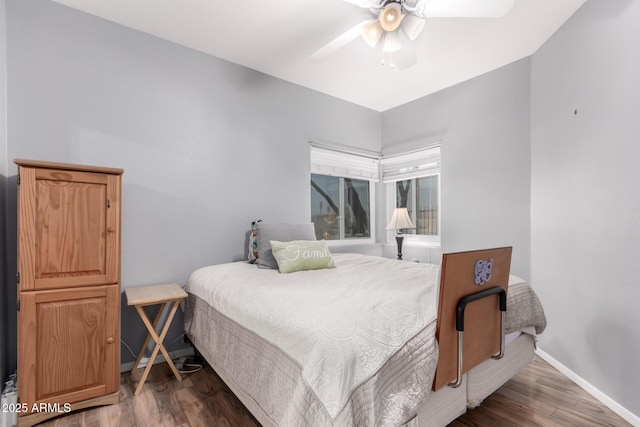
<point x="346" y="162"/>
<point x="372" y="217"/>
<point x="343" y="162"/>
<point x="413" y="239"/>
<point x="411" y="166"/>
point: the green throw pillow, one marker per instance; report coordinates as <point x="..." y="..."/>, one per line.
<point x="299" y="255"/>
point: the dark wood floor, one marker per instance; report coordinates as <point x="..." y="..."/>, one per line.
<point x="538" y="396"/>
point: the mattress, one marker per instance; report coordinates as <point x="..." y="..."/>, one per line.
<point x="354" y="345"/>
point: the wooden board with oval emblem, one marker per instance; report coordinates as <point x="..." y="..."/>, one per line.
<point x="462" y="274"/>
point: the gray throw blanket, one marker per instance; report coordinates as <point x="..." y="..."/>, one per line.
<point x="523" y="309"/>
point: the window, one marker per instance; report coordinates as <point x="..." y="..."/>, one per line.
<point x="420" y="196"/>
<point x="413" y="181"/>
<point x="342" y="193"/>
<point x="340" y="207"/>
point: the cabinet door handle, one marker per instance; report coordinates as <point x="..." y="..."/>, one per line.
<point x="110" y="340"/>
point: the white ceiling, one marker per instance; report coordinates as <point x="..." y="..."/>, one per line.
<point x="276" y="37"/>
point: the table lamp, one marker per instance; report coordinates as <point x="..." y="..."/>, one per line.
<point x="400" y="220"/>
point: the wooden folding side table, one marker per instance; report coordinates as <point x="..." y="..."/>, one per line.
<point x="143" y="296"/>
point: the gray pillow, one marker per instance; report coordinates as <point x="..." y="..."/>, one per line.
<point x="280" y="232"/>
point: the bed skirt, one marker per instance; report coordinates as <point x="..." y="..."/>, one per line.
<point x="438" y="409"/>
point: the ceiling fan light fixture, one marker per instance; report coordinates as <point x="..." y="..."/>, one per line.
<point x="372" y="32"/>
<point x="412" y="26"/>
<point x="388" y="60"/>
<point x="392" y="42"/>
<point x="391" y="16"/>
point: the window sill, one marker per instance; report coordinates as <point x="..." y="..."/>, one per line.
<point x="416" y="243"/>
<point x="349" y="242"/>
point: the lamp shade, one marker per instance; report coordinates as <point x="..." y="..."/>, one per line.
<point x="400" y="220"/>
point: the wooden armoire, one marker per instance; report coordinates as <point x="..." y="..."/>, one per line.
<point x="68" y="288"/>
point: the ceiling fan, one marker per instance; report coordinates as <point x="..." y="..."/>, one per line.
<point x="396" y="23"/>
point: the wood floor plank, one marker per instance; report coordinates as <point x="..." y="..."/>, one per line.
<point x="597" y="412"/>
<point x="122" y="415"/>
<point x="194" y="408"/>
<point x="72" y="420"/>
<point x="96" y="418"/>
<point x="171" y="412"/>
<point x="510" y="411"/>
<point x="145" y="409"/>
<point x="514" y="392"/>
<point x="573" y="418"/>
<point x="539" y="396"/>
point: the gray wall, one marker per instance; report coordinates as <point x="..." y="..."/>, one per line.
<point x="3" y="189"/>
<point x="585" y="197"/>
<point x="485" y="130"/>
<point x="207" y="146"/>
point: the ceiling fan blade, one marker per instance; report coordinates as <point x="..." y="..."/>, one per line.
<point x="461" y="8"/>
<point x="366" y="4"/>
<point x="340" y="41"/>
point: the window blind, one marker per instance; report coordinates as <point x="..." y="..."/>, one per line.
<point x="411" y="165"/>
<point x="326" y="161"/>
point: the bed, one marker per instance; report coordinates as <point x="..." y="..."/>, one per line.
<point x="353" y="345"/>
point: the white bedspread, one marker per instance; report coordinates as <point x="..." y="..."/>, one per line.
<point x="323" y="319"/>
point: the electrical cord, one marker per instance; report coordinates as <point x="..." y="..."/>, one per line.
<point x="128" y="348"/>
<point x="190" y="368"/>
<point x="180" y="363"/>
<point x="187" y="368"/>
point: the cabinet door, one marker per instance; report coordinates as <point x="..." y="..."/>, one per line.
<point x="68" y="344"/>
<point x="68" y="228"/>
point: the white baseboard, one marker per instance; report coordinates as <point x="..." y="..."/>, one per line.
<point x="631" y="418"/>
<point x="187" y="351"/>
